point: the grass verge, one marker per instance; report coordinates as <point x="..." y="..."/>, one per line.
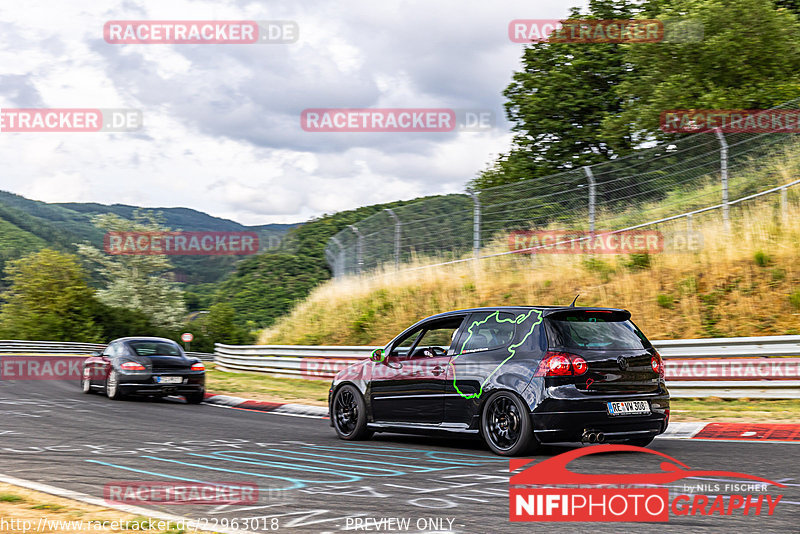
<point x="735" y="410"/>
<point x="259" y="386"/>
<point x="743" y="281"/>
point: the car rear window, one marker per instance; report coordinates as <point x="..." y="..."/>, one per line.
<point x="150" y="348"/>
<point x="596" y="330"/>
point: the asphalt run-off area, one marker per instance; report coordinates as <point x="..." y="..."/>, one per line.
<point x="310" y="481"/>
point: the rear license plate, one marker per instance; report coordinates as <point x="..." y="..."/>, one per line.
<point x="628" y="408"/>
<point x="169" y="379"/>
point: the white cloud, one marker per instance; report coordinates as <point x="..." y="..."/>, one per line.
<point x="222" y="131"/>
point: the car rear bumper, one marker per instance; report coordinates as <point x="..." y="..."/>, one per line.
<point x="158" y="389"/>
<point x="146" y="385"/>
<point x="569" y="419"/>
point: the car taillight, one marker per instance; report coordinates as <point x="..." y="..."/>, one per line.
<point x="657" y="364"/>
<point x="198" y="367"/>
<point x="579" y="365"/>
<point x="132" y="366"/>
<point x="561" y="364"/>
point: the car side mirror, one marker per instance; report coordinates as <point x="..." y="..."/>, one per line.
<point x="377" y="356"/>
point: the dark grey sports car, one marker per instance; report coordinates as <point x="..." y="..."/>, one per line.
<point x="144" y="366"/>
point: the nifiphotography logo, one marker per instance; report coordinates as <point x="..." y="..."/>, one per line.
<point x="549" y="491"/>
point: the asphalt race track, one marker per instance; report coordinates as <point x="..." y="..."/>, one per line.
<point x="312" y="482"/>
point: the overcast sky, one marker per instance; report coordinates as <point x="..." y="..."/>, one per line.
<point x="222" y="129"/>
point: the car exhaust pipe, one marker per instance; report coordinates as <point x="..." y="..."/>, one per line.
<point x="600" y="437"/>
<point x="589" y="437"/>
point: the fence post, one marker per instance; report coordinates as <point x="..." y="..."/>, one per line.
<point x="784" y="206"/>
<point x="592" y="197"/>
<point x="396" y="237"/>
<point x="359" y="249"/>
<point x="338" y="260"/>
<point x="332" y="261"/>
<point x="723" y="170"/>
<point x="689" y="223"/>
<point x="476" y="226"/>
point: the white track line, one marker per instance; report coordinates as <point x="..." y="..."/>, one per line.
<point x="83" y="497"/>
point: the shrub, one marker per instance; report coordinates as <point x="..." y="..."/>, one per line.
<point x="761" y="258"/>
<point x="665" y="301"/>
<point x="794" y="299"/>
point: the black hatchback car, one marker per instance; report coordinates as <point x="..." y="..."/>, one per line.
<point x="144" y="366"/>
<point x="518" y="376"/>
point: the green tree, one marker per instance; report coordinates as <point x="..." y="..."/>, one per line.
<point x="791" y="5"/>
<point x="574" y="104"/>
<point x="266" y="286"/>
<point x="123" y="322"/>
<point x="220" y="325"/>
<point x="558" y="101"/>
<point x="749" y="58"/>
<point x="137" y="282"/>
<point x="48" y="299"/>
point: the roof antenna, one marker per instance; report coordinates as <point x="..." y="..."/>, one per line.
<point x="573" y="302"/>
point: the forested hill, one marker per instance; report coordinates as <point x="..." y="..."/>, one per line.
<point x="260" y="288"/>
<point x="30" y="225"/>
<point x="265" y="287"/>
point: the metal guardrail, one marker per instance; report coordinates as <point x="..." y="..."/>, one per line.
<point x="743" y="367"/>
<point x="21" y="347"/>
<point x="729" y="347"/>
<point x="12" y="346"/>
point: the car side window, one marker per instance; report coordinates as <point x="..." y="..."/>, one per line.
<point x="405" y="344"/>
<point x="488" y="331"/>
<point x="437" y="337"/>
<point x="433" y="338"/>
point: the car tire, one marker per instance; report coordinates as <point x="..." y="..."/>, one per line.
<point x="113" y="391"/>
<point x="86" y="382"/>
<point x="639" y="442"/>
<point x="195" y="398"/>
<point x="506" y="425"/>
<point x="349" y="414"/>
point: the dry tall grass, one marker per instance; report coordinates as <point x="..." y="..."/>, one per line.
<point x="742" y="282"/>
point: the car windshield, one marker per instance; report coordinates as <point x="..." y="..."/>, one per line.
<point x="595" y="330"/>
<point x="150" y="348"/>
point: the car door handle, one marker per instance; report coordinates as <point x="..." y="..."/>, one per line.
<point x="437" y="370"/>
